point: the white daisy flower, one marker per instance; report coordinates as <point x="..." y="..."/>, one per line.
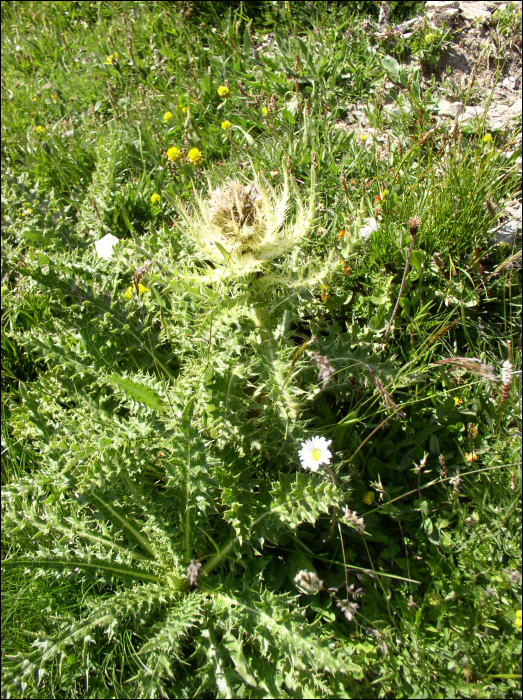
<point x="314" y="452"/>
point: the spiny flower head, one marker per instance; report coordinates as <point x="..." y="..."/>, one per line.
<point x="315" y="452"/>
<point x="194" y="156"/>
<point x="223" y="91"/>
<point x="174" y="153"/>
<point x="247" y="219"/>
<point x="167" y="116"/>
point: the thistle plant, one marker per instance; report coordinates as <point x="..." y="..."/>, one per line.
<point x="241" y="225"/>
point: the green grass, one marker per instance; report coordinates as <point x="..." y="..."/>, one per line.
<point x="140" y="434"/>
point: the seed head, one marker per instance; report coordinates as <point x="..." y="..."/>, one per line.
<point x="308" y="581"/>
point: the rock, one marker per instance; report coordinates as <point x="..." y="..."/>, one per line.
<point x="104" y="246"/>
<point x="450" y="109"/>
<point x="440" y="5"/>
<point x="510" y="82"/>
<point x="498" y="116"/>
<point x="475" y="11"/>
<point x="506" y="233"/>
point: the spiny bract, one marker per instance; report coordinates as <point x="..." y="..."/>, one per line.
<point x="248" y="222"/>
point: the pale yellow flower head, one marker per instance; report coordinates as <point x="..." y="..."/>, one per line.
<point x="487" y="138"/>
<point x="223" y="91"/>
<point x="265" y="110"/>
<point x="174" y="153"/>
<point x="248" y="220"/>
<point x="155" y="198"/>
<point x="167" y="116"/>
<point x="40" y="129"/>
<point x="194" y="156"/>
<point x="226" y="125"/>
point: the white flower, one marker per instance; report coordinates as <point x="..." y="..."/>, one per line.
<point x="314" y="452"/>
<point x="104" y="246"/>
<point x="506" y="373"/>
<point x="370" y="227"/>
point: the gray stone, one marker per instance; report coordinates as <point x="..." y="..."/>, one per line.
<point x="506" y="233"/>
<point x="450" y="109"/>
<point x="435" y="5"/>
<point x="475" y="11"/>
<point x="499" y="116"/>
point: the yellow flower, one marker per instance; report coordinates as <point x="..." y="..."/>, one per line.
<point x="518" y="618"/>
<point x="53" y="97"/>
<point x="475" y="431"/>
<point x="363" y="137"/>
<point x="457" y="401"/>
<point x="195" y="156"/>
<point x="39" y="129"/>
<point x="223" y="91"/>
<point x="487" y="138"/>
<point x="155" y="198"/>
<point x="167" y="116"/>
<point x="471" y="457"/>
<point x="128" y="294"/>
<point x="111" y="59"/>
<point x="368" y="498"/>
<point x="226" y="124"/>
<point x="184" y="109"/>
<point x="265" y="110"/>
<point x="174" y="153"/>
<point x="385" y="193"/>
<point x="324" y="296"/>
<point x="28" y="210"/>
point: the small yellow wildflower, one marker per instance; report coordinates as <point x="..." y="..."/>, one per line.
<point x="363" y="137"/>
<point x="129" y="291"/>
<point x="34" y="99"/>
<point x="111" y="59"/>
<point x="184" y="109"/>
<point x="475" y="431"/>
<point x="385" y="193"/>
<point x="155" y="198"/>
<point x="28" y="210"/>
<point x="471" y="457"/>
<point x="223" y="91"/>
<point x="195" y="156"/>
<point x="226" y="124"/>
<point x="368" y="498"/>
<point x="457" y="401"/>
<point x="39" y="129"/>
<point x="487" y="138"/>
<point x="324" y="296"/>
<point x="54" y="97"/>
<point x="174" y="153"/>
<point x="265" y="110"/>
<point x="167" y="116"/>
<point x="518" y="618"/>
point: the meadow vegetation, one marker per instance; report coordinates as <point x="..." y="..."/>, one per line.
<point x="266" y="273"/>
